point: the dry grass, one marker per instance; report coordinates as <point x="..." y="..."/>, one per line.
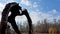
<point x="35" y="33"/>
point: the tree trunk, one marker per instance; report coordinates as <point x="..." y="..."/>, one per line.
<point x="4" y="19"/>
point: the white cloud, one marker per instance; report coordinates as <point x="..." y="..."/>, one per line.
<point x="29" y="3"/>
<point x="54" y="11"/>
<point x="35" y="4"/>
<point x="26" y="2"/>
<point x="20" y="18"/>
<point x="1" y="6"/>
<point x="36" y="16"/>
<point x="9" y="1"/>
<point x="39" y="16"/>
<point x="37" y="10"/>
<point x="58" y="17"/>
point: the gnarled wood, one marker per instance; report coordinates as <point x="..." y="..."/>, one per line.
<point x="4" y="19"/>
<point x="15" y="11"/>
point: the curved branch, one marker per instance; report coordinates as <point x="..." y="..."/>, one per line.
<point x="25" y="12"/>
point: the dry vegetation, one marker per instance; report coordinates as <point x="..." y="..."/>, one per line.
<point x="40" y="28"/>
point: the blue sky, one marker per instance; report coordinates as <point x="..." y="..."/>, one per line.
<point x="38" y="9"/>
